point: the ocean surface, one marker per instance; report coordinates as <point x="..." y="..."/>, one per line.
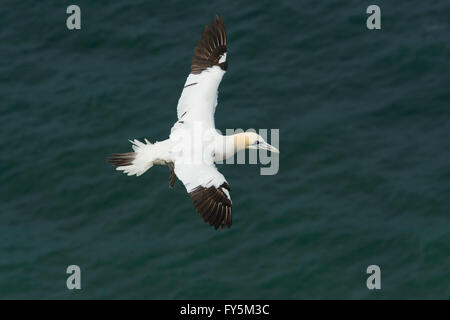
<point x="364" y="177"/>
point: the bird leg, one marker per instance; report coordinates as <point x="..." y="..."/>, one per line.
<point x="172" y="175"/>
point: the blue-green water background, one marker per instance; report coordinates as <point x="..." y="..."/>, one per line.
<point x="364" y="174"/>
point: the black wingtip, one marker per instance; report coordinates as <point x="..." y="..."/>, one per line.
<point x="213" y="205"/>
<point x="211" y="47"/>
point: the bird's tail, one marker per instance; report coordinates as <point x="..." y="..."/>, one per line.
<point x="136" y="162"/>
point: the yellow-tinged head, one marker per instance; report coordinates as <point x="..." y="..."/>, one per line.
<point x="251" y="140"/>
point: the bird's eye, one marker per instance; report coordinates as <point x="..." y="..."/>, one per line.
<point x="257" y="142"/>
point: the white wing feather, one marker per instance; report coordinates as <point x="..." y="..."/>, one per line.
<point x="198" y="100"/>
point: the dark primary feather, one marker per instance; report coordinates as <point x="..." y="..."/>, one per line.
<point x="213" y="205"/>
<point x="212" y="45"/>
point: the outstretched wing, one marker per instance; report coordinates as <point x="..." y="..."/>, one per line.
<point x="209" y="192"/>
<point x="199" y="97"/>
<point x="207" y="187"/>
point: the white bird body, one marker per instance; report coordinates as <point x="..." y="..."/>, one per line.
<point x="194" y="145"/>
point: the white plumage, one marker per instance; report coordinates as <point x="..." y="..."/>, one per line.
<point x="198" y="100"/>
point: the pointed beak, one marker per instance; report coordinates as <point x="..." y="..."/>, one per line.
<point x="267" y="146"/>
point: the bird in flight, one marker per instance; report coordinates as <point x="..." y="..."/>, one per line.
<point x="194" y="145"/>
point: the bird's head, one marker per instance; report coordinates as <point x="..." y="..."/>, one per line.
<point x="251" y="140"/>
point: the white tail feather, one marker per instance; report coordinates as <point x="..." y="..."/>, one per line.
<point x="144" y="157"/>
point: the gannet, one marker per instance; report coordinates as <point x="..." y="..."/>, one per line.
<point x="194" y="145"/>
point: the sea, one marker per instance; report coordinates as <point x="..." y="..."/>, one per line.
<point x="363" y="179"/>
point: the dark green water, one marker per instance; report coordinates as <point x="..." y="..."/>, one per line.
<point x="364" y="119"/>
